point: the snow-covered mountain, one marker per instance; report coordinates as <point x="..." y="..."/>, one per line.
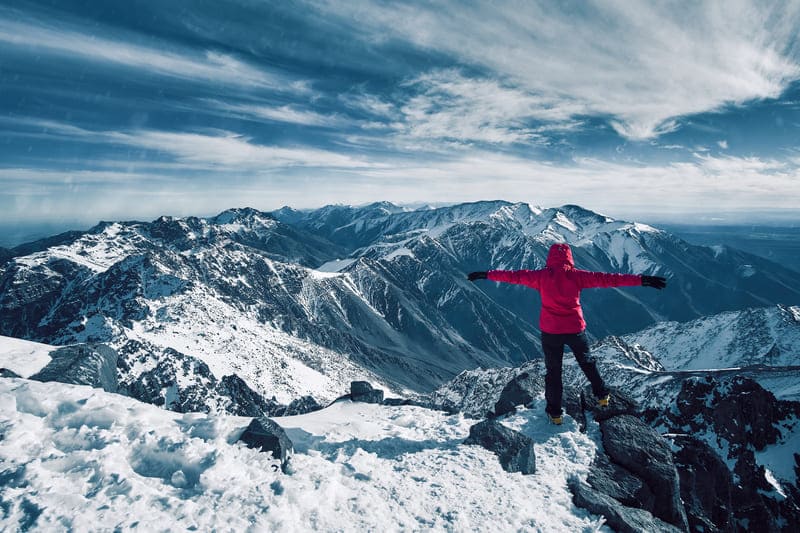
<point x="297" y="303"/>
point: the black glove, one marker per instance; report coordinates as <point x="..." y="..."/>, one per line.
<point x="476" y="275"/>
<point x="657" y="282"/>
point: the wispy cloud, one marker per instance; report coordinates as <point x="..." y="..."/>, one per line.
<point x="290" y="114"/>
<point x="148" y="55"/>
<point x="643" y="64"/>
<point x="217" y="150"/>
<point x="233" y="152"/>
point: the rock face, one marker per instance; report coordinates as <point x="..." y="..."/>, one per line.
<point x="268" y="436"/>
<point x="362" y="391"/>
<point x="519" y="391"/>
<point x="630" y="442"/>
<point x="734" y="421"/>
<point x="84" y="364"/>
<point x="514" y="449"/>
<point x="619" y="483"/>
<point x="621" y="518"/>
<point x="707" y="486"/>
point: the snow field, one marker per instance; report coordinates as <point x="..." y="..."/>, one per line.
<point x="22" y="357"/>
<point x="73" y="457"/>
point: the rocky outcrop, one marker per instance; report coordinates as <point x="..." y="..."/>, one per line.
<point x="620" y="517"/>
<point x="299" y="406"/>
<point x="728" y="422"/>
<point x="362" y="391"/>
<point x="268" y="436"/>
<point x="82" y="364"/>
<point x="514" y="449"/>
<point x="619" y="483"/>
<point x="182" y="383"/>
<point x="707" y="486"/>
<point x="631" y="443"/>
<point x="521" y="390"/>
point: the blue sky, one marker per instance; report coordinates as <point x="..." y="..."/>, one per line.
<point x="120" y="110"/>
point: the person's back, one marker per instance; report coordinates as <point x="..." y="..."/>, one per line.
<point x="561" y="319"/>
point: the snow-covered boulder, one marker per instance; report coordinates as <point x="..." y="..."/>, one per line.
<point x="267" y="435"/>
<point x="84" y="364"/>
<point x="514" y="449"/>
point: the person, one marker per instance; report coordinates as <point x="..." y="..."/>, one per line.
<point x="561" y="319"/>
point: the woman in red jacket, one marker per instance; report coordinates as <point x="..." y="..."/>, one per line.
<point x="561" y="320"/>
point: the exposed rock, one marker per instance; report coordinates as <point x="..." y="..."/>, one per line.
<point x="300" y="406"/>
<point x="621" y="518"/>
<point x="182" y="383"/>
<point x="619" y="483"/>
<point x="244" y="401"/>
<point x="82" y="364"/>
<point x="362" y="391"/>
<point x="574" y="402"/>
<point x="399" y="401"/>
<point x="6" y="373"/>
<point x="268" y="436"/>
<point x="619" y="404"/>
<point x="514" y="449"/>
<point x="633" y="444"/>
<point x="706" y="485"/>
<point x="743" y="418"/>
<point x="519" y="391"/>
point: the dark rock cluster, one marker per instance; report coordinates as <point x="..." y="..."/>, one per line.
<point x="739" y="417"/>
<point x="514" y="449"/>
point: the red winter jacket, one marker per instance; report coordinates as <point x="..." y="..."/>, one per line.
<point x="560" y="285"/>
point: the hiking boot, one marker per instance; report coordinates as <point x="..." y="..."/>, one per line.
<point x="603" y="402"/>
<point x="555" y="419"/>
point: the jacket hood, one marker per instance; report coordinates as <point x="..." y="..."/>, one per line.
<point x="560" y="256"/>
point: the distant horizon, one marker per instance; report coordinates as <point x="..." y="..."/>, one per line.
<point x="15" y="233"/>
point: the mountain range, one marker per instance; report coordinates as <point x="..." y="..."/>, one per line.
<point x="301" y="302"/>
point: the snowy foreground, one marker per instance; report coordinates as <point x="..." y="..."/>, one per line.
<point x="73" y="457"/>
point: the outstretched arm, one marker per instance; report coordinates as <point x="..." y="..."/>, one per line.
<point x="590" y="280"/>
<point x="529" y="278"/>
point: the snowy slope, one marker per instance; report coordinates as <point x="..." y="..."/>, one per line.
<point x="81" y="459"/>
<point x="764" y="336"/>
<point x="22" y="357"/>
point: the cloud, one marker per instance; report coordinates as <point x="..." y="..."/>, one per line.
<point x="159" y="58"/>
<point x="217" y="150"/>
<point x="232" y="152"/>
<point x="642" y="64"/>
<point x="705" y="184"/>
<point x="723" y="144"/>
<point x="448" y="105"/>
<point x="290" y="114"/>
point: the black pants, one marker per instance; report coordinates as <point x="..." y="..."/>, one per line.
<point x="553" y="347"/>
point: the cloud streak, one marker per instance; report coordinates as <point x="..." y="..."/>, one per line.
<point x="158" y="58"/>
<point x="641" y="63"/>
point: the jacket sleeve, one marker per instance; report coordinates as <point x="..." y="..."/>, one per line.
<point x="529" y="278"/>
<point x="591" y="280"/>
